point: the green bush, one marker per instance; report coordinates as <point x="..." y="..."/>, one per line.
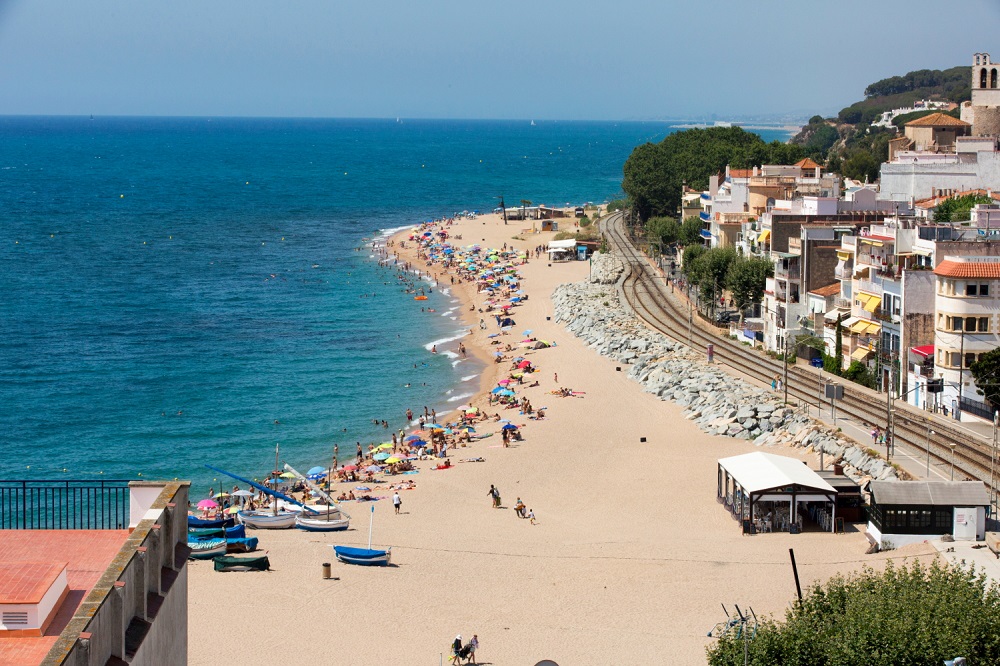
<point x="915" y="615"/>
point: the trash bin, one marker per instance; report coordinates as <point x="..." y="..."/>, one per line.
<point x="327" y="575"/>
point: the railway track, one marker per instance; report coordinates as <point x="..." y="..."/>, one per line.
<point x="644" y="291"/>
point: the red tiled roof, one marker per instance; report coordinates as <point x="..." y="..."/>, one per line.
<point x="27" y="582"/>
<point x="968" y="269"/>
<point x="828" y="290"/>
<point x="740" y="173"/>
<point x="806" y="164"/>
<point x="938" y="120"/>
<point x="88" y="553"/>
<point x="885" y="239"/>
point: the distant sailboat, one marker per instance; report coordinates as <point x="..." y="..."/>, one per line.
<point x="532" y="123"/>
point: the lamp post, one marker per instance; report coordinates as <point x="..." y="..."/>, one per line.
<point x="952" y="445"/>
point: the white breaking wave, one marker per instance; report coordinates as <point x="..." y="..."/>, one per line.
<point x="435" y="343"/>
<point x="469" y="378"/>
<point x="460" y="397"/>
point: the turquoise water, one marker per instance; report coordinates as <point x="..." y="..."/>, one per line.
<point x="187" y="291"/>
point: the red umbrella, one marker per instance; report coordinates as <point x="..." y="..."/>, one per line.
<point x="523" y="364"/>
<point x="350" y="468"/>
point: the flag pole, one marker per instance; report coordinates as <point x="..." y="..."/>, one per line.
<point x="371" y="523"/>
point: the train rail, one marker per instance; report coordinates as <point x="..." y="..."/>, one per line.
<point x="644" y="291"/>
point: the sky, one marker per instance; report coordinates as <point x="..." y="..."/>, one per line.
<point x="518" y="59"/>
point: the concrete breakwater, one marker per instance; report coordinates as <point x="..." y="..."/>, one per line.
<point x="718" y="402"/>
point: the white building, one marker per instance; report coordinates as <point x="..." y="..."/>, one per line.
<point x="966" y="321"/>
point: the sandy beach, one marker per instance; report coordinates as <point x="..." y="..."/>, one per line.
<point x="629" y="562"/>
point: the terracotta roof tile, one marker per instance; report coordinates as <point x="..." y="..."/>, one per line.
<point x="740" y="173"/>
<point x="828" y="290"/>
<point x="937" y="120"/>
<point x="806" y="164"/>
<point x="968" y="269"/>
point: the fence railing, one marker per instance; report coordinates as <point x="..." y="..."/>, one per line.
<point x="64" y="505"/>
<point x="981" y="409"/>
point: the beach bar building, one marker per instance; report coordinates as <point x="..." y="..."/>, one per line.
<point x="766" y="493"/>
<point x="904" y="512"/>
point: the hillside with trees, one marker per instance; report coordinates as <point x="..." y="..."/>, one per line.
<point x="851" y="146"/>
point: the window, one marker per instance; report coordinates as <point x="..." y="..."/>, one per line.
<point x="984" y="324"/>
<point x="970" y="324"/>
<point x="969" y="360"/>
<point x="970" y="289"/>
<point x="984" y="290"/>
<point x="942" y="519"/>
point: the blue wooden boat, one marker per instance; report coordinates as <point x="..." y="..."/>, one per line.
<point x="243" y="545"/>
<point x="364" y="556"/>
<point x="203" y="523"/>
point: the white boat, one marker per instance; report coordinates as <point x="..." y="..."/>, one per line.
<point x="322" y="522"/>
<point x="266" y="520"/>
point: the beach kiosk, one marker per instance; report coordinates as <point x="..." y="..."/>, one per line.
<point x="562" y="249"/>
<point x="770" y="493"/>
<point x="904" y="512"/>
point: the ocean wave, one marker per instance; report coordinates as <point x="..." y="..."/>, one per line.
<point x="469" y="378"/>
<point x="458" y="336"/>
<point x="460" y="397"/>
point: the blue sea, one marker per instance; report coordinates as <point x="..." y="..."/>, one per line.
<point x="185" y="291"/>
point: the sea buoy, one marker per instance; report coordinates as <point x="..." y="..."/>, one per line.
<point x="121" y="196"/>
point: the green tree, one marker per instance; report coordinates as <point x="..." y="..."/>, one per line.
<point x="664" y="229"/>
<point x="859" y="373"/>
<point x="915" y="614"/>
<point x="838" y="353"/>
<point x="710" y="269"/>
<point x="861" y="165"/>
<point x="689" y="259"/>
<point x="690" y="231"/>
<point x="746" y="279"/>
<point x="650" y="181"/>
<point x="617" y="204"/>
<point x="957" y="209"/>
<point x="986" y="372"/>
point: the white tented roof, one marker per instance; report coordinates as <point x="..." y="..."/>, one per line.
<point x="562" y="244"/>
<point x="760" y="471"/>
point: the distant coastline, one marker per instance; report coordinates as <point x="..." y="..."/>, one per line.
<point x="791" y="129"/>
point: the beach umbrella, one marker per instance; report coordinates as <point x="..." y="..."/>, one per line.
<point x="393" y="460"/>
<point x="363" y="488"/>
<point x="287" y="475"/>
<point x="233" y="509"/>
<point x="524" y="364"/>
<point x="434" y="425"/>
<point x="419" y="444"/>
<point x="503" y="382"/>
<point x="207" y="504"/>
<point x="498" y="389"/>
<point x="373" y="469"/>
<point x="380" y="456"/>
<point x="222" y="495"/>
<point x="462" y="407"/>
<point x="509" y="426"/>
<point x="506" y="393"/>
<point x="316" y="477"/>
<point x="467" y="428"/>
<point x="350" y="468"/>
<point x="315" y="470"/>
<point x="419" y="432"/>
<point x="383" y="446"/>
<point x="243" y="493"/>
<point x="472" y="410"/>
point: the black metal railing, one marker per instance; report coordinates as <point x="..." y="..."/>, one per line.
<point x="64" y="505"/>
<point x="981" y="409"/>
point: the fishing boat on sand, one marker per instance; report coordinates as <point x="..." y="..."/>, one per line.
<point x="368" y="557"/>
<point x="201" y="523"/>
<point x="311" y="519"/>
<point x="252" y="563"/>
<point x="206" y="550"/>
<point x="265" y="519"/>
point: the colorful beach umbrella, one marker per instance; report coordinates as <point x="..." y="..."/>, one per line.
<point x="315" y="470"/>
<point x="381" y="456"/>
<point x="393" y="460"/>
<point x="208" y="504"/>
<point x="350" y="468"/>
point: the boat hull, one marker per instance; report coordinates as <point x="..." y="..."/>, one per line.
<point x="321" y="523"/>
<point x="206" y="550"/>
<point x="194" y="522"/>
<point x="267" y="521"/>
<point x="363" y="556"/>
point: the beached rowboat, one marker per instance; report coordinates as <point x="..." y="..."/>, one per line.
<point x="323" y="522"/>
<point x="265" y="520"/>
<point x="202" y="522"/>
<point x="253" y="563"/>
<point x="206" y="550"/>
<point x="363" y="556"/>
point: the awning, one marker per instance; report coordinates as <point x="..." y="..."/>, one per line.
<point x="923" y="252"/>
<point x="861" y="354"/>
<point x="843" y="256"/>
<point x="873" y="328"/>
<point x="705" y="233"/>
<point x="759" y="471"/>
<point x="873" y="243"/>
<point x="859" y="326"/>
<point x="872" y="304"/>
<point x="850" y="321"/>
<point x="863" y="297"/>
<point x="764" y="235"/>
<point x="927" y="351"/>
<point x="832" y="315"/>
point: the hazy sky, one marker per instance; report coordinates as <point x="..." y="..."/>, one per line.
<point x="565" y="59"/>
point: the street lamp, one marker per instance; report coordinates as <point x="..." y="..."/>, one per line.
<point x="952" y="445"/>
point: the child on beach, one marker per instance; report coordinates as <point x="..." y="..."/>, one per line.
<point x="531" y="517"/>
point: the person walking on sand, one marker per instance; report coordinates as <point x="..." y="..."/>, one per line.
<point x="472" y="647"/>
<point x="494" y="495"/>
<point x="456" y="649"/>
<point x="531" y="517"/>
<point x="397" y="502"/>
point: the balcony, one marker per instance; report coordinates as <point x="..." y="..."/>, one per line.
<point x="843" y="273"/>
<point x="842" y="303"/>
<point x="873" y="286"/>
<point x="790" y="273"/>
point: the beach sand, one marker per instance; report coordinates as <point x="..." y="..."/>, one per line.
<point x="629" y="562"/>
